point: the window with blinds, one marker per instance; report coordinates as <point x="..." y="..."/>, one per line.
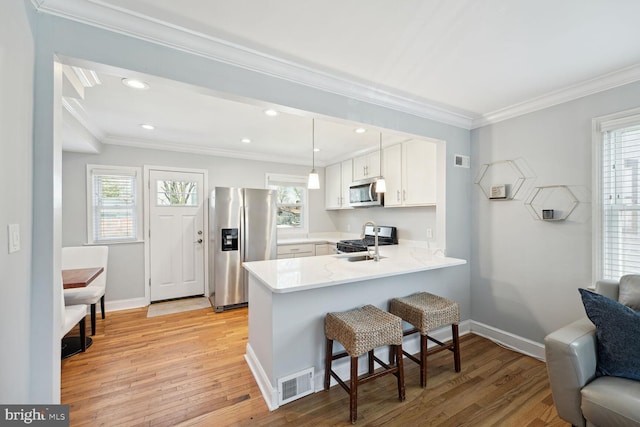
<point x="620" y="192"/>
<point x="115" y="210"/>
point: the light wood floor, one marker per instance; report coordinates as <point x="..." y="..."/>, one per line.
<point x="188" y="369"/>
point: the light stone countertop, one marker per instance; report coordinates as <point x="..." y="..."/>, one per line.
<point x="299" y="274"/>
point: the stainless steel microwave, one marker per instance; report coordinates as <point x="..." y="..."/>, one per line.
<point x="363" y="194"/>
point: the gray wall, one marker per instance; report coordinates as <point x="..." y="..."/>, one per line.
<point x="57" y="36"/>
<point x="16" y="112"/>
<point x="126" y="261"/>
<point x="525" y="272"/>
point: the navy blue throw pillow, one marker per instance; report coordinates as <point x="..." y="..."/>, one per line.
<point x="618" y="333"/>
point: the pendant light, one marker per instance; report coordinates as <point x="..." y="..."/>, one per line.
<point x="381" y="185"/>
<point x="314" y="178"/>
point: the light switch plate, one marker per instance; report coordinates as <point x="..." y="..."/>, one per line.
<point x="14" y="237"/>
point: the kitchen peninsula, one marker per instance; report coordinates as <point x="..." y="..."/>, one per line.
<point x="289" y="298"/>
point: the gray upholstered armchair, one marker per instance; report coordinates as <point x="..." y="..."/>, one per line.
<point x="580" y="397"/>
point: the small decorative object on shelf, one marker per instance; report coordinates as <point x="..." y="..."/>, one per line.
<point x="541" y="199"/>
<point x="506" y="171"/>
<point x="547" y="213"/>
<point x="498" y="191"/>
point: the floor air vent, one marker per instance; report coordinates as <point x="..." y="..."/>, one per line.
<point x="295" y="386"/>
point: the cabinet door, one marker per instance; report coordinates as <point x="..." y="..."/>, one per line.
<point x="333" y="187"/>
<point x="373" y="164"/>
<point x="359" y="168"/>
<point x="392" y="172"/>
<point x="419" y="173"/>
<point x="347" y="179"/>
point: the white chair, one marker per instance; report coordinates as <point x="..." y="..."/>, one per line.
<point x="71" y="316"/>
<point x="86" y="257"/>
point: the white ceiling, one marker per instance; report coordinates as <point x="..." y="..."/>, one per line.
<point x="465" y="62"/>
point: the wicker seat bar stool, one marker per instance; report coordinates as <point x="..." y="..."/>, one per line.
<point x="426" y="312"/>
<point x="360" y="331"/>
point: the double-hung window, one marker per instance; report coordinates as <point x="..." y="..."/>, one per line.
<point x="114" y="204"/>
<point x="617" y="207"/>
<point x="292" y="205"/>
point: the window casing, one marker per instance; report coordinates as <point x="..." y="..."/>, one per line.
<point x="617" y="198"/>
<point x="114" y="204"/>
<point x="292" y="202"/>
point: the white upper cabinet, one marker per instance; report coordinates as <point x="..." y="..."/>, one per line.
<point x="392" y="170"/>
<point x="367" y="166"/>
<point x="410" y="174"/>
<point x="333" y="186"/>
<point x="338" y="178"/>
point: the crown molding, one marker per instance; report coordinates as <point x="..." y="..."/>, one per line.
<point x="203" y="150"/>
<point x="124" y="21"/>
<point x="588" y="87"/>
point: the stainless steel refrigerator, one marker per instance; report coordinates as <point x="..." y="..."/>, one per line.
<point x="242" y="227"/>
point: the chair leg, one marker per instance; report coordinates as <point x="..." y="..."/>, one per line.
<point x="353" y="391"/>
<point x="423" y="361"/>
<point x="93" y="319"/>
<point x="83" y="335"/>
<point x="370" y="357"/>
<point x="327" y="363"/>
<point x="102" y="306"/>
<point x="400" y="365"/>
<point x="456" y="347"/>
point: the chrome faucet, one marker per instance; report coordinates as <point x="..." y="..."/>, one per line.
<point x="376" y="254"/>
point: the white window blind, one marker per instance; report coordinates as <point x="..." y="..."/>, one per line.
<point x="620" y="185"/>
<point x="114" y="212"/>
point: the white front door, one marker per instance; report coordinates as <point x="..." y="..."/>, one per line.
<point x="176" y="234"/>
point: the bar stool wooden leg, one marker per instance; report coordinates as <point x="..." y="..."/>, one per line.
<point x="423" y="360"/>
<point x="370" y="357"/>
<point x="397" y="349"/>
<point x="327" y="363"/>
<point x="353" y="391"/>
<point x="456" y="347"/>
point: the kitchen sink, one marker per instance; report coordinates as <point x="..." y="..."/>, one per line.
<point x="361" y="258"/>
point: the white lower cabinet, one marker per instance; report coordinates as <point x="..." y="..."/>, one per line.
<point x="296" y="251"/>
<point x="325" y="249"/>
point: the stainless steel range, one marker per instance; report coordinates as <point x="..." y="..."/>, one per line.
<point x="386" y="236"/>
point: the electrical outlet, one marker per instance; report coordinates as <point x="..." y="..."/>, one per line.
<point x="429" y="233"/>
<point x="14" y="237"/>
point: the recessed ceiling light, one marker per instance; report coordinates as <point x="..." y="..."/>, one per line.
<point x="135" y="84"/>
<point x="245" y="140"/>
<point x="316" y="149"/>
<point x="360" y="130"/>
<point x="147" y="126"/>
<point x="271" y="112"/>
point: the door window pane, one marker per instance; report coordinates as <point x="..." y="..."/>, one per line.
<point x="176" y="193"/>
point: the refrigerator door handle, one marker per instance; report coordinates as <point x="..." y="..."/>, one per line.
<point x="242" y="238"/>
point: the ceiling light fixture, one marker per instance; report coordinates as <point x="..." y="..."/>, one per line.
<point x="135" y="84"/>
<point x="381" y="185"/>
<point x="271" y="112"/>
<point x="147" y="126"/>
<point x="314" y="178"/>
<point x="245" y="140"/>
<point x="360" y="130"/>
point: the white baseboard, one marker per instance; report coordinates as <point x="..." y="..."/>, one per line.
<point x="509" y="340"/>
<point x="125" y="304"/>
<point x="269" y="393"/>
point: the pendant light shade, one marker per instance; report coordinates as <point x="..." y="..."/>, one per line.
<point x="314" y="179"/>
<point x="381" y="185"/>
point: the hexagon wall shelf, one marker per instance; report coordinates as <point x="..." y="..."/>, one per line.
<point x="503" y="172"/>
<point x="558" y="198"/>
